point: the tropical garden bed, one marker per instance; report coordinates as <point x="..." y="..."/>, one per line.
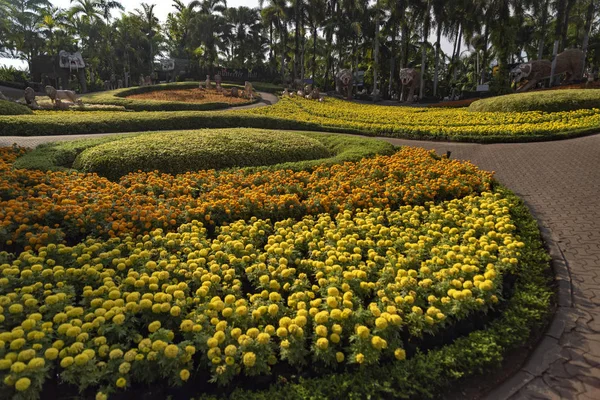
<point x="394" y="274"/>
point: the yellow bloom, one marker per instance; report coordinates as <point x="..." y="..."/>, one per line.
<point x="184" y="374"/>
<point x="22" y="384"/>
<point x="249" y="359"/>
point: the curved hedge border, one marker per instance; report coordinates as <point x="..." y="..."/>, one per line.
<point x="429" y="375"/>
<point x="77" y="123"/>
<point x="547" y="101"/>
<point x="119" y="98"/>
<point x="60" y="156"/>
<point x="184" y="151"/>
<point x="10" y="108"/>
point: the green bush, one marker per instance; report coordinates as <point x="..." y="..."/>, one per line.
<point x="547" y="101"/>
<point x="179" y="152"/>
<point x="60" y="156"/>
<point x="119" y="98"/>
<point x="10" y="108"/>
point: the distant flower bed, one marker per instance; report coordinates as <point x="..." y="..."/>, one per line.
<point x="190" y="96"/>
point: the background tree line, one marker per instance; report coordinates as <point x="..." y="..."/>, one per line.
<point x="296" y="39"/>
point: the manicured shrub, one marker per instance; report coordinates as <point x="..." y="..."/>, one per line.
<point x="179" y="152"/>
<point x="10" y="108"/>
<point x="545" y="101"/>
<point x="60" y="156"/>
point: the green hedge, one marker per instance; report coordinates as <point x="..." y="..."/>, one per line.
<point x="180" y="152"/>
<point x="439" y="371"/>
<point x="10" y="108"/>
<point x="60" y="156"/>
<point x="119" y="98"/>
<point x="547" y="101"/>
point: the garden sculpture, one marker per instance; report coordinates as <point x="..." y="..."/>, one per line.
<point x="249" y="90"/>
<point x="218" y="81"/>
<point x="62" y="95"/>
<point x="411" y="83"/>
<point x="30" y="99"/>
<point x="344" y="83"/>
<point x="286" y="93"/>
<point x="235" y="92"/>
<point x="120" y="84"/>
<point x="569" y="63"/>
<point x="142" y="80"/>
<point x="207" y="82"/>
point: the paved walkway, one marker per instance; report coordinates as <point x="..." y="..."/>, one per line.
<point x="560" y="181"/>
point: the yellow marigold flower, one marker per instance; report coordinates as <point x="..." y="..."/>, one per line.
<point x="381" y="323"/>
<point x="363" y="332"/>
<point x="322" y="343"/>
<point x="121" y="382"/>
<point x="5" y="364"/>
<point x="263" y="338"/>
<point x="400" y="354"/>
<point x="339" y="356"/>
<point x="22" y="384"/>
<point x="378" y="343"/>
<point x="230" y="350"/>
<point x="171" y="351"/>
<point x="101" y="396"/>
<point x="18" y="367"/>
<point x="66" y="362"/>
<point x="184" y="374"/>
<point x="249" y="359"/>
<point x="282" y="332"/>
<point x="321" y="317"/>
<point x="154" y="326"/>
<point x="212" y="342"/>
<point x="119" y="319"/>
<point x="81" y="359"/>
<point x="360" y="358"/>
<point x="116" y="353"/>
<point x="321" y="330"/>
<point x="124" y="368"/>
<point x="335" y="338"/>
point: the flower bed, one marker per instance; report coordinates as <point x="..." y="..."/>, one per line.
<point x="202" y="279"/>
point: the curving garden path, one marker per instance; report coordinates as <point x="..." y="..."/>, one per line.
<point x="560" y="181"/>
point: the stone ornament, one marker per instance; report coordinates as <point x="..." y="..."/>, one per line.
<point x="411" y="83"/>
<point x="344" y="83"/>
<point x="569" y="63"/>
<point x="62" y="95"/>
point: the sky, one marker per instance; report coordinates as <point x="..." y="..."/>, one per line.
<point x="162" y="9"/>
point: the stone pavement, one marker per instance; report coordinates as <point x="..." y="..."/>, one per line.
<point x="560" y="182"/>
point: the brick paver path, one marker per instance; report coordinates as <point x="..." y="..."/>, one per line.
<point x="560" y="181"/>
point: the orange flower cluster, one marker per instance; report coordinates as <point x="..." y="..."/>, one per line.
<point x="38" y="208"/>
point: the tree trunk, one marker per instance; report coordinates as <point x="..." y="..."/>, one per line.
<point x="586" y="34"/>
<point x="456" y="58"/>
<point x="376" y="52"/>
<point x="392" y="60"/>
<point x="314" y="57"/>
<point x="484" y="55"/>
<point x="283" y="47"/>
<point x="296" y="39"/>
<point x="436" y="73"/>
<point x="544" y="22"/>
<point x="557" y="35"/>
<point x="424" y="48"/>
<point x="565" y="28"/>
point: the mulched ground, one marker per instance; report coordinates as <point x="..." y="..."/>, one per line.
<point x="190" y="96"/>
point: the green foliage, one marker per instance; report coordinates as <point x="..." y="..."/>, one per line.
<point x="430" y="375"/>
<point x="11" y="74"/>
<point x="179" y="152"/>
<point x="547" y="101"/>
<point x="10" y="108"/>
<point x="119" y="98"/>
<point x="60" y="156"/>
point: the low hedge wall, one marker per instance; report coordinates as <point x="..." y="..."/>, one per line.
<point x="60" y="156"/>
<point x="119" y="98"/>
<point x="545" y="100"/>
<point x="10" y="108"/>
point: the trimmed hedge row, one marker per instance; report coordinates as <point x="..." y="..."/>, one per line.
<point x="547" y="101"/>
<point x="433" y="374"/>
<point x="119" y="98"/>
<point x="180" y="152"/>
<point x="60" y="156"/>
<point x="10" y="108"/>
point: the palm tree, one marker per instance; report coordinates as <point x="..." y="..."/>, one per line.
<point x="316" y="17"/>
<point x="560" y="12"/>
<point x="179" y="26"/>
<point x="85" y="9"/>
<point x="278" y="12"/>
<point x="106" y="6"/>
<point x="150" y="27"/>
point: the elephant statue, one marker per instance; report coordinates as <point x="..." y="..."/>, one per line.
<point x="569" y="63"/>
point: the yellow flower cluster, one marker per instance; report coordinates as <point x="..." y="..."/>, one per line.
<point x="417" y="122"/>
<point x="349" y="289"/>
